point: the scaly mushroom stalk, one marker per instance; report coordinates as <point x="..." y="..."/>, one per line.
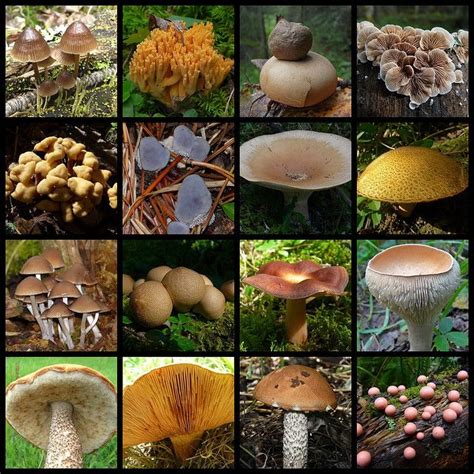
<point x="295" y="440"/>
<point x="64" y="446"/>
<point x="295" y="321"/>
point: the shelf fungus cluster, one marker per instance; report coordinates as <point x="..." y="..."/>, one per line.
<point x="152" y="299"/>
<point x="417" y="63"/>
<point x="55" y="298"/>
<point x="172" y="64"/>
<point x="60" y="175"/>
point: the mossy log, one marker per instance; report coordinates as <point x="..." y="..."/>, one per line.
<point x="385" y="439"/>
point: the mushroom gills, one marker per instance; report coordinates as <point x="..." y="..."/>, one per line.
<point x="295" y="440"/>
<point x="185" y="445"/>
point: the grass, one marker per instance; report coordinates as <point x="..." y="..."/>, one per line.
<point x="329" y="319"/>
<point x="19" y="452"/>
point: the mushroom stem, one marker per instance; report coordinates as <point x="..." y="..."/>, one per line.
<point x="36" y="314"/>
<point x="185" y="445"/>
<point x="64" y="446"/>
<point x="37" y="74"/>
<point x="420" y="335"/>
<point x="295" y="440"/>
<point x="67" y="335"/>
<point x="405" y="209"/>
<point x="301" y="202"/>
<point x="295" y="321"/>
<point x="76" y="65"/>
<point x="83" y="330"/>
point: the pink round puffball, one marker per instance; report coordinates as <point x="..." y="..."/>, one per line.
<point x="426" y="415"/>
<point x="421" y="379"/>
<point x="410" y="429"/>
<point x="363" y="458"/>
<point x="449" y="415"/>
<point x="409" y="453"/>
<point x="420" y="436"/>
<point x="403" y="399"/>
<point x="426" y="393"/>
<point x="453" y="395"/>
<point x="430" y="409"/>
<point x="391" y="410"/>
<point x="373" y="392"/>
<point x="380" y="403"/>
<point x="462" y="375"/>
<point x="401" y="388"/>
<point x="457" y="407"/>
<point x="360" y="430"/>
<point x="392" y="390"/>
<point x="432" y="385"/>
<point x="438" y="432"/>
<point x="410" y="413"/>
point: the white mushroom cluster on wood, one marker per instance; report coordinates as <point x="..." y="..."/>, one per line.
<point x="60" y="175"/>
<point x="53" y="297"/>
<point x="181" y="288"/>
<point x="414" y="62"/>
<point x="67" y="410"/>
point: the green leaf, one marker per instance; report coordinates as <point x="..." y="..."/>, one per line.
<point x="137" y="100"/>
<point x="128" y="109"/>
<point x="137" y="37"/>
<point x="188" y="21"/>
<point x="190" y="113"/>
<point x="374" y="205"/>
<point x="127" y="88"/>
<point x="376" y="217"/>
<point x="126" y="320"/>
<point x="173" y="319"/>
<point x="441" y="343"/>
<point x="425" y="142"/>
<point x="445" y="325"/>
<point x="360" y="222"/>
<point x="460" y="339"/>
<point x="228" y="209"/>
<point x="182" y="343"/>
<point x="183" y="318"/>
<point x="156" y="335"/>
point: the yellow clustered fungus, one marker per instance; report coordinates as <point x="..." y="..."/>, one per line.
<point x="171" y="64"/>
<point x="59" y="175"/>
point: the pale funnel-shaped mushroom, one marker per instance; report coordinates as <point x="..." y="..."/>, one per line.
<point x="409" y="175"/>
<point x="65" y="409"/>
<point x="297" y="163"/>
<point x="297" y="389"/>
<point x="179" y="402"/>
<point x="415" y="281"/>
<point x="295" y="282"/>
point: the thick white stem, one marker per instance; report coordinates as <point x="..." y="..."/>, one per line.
<point x="65" y="329"/>
<point x="295" y="440"/>
<point x="301" y="202"/>
<point x="420" y="336"/>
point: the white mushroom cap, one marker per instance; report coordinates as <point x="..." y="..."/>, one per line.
<point x="92" y="396"/>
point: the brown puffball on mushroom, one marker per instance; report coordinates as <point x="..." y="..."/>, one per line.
<point x="127" y="284"/>
<point x="297" y="390"/>
<point x="185" y="287"/>
<point x="151" y="304"/>
<point x="290" y="41"/>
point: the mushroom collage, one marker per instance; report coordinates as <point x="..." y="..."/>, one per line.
<point x="73" y="56"/>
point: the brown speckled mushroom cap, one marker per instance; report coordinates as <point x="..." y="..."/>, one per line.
<point x="64" y="289"/>
<point x="58" y="310"/>
<point x="300" y="280"/>
<point x="30" y="286"/>
<point x="37" y="265"/>
<point x="85" y="304"/>
<point x="296" y="388"/>
<point x="412" y="174"/>
<point x="92" y="396"/>
<point x="77" y="39"/>
<point x="54" y="257"/>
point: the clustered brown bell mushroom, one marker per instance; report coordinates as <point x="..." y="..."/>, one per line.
<point x="414" y="62"/>
<point x="174" y="63"/>
<point x="31" y="47"/>
<point x="61" y="176"/>
<point x="58" y="297"/>
<point x="152" y="300"/>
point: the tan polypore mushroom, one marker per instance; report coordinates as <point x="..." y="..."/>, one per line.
<point x="367" y="29"/>
<point x="376" y="46"/>
<point x="64" y="409"/>
<point x="212" y="304"/>
<point x="297" y="390"/>
<point x="415" y="281"/>
<point x="185" y="287"/>
<point x="297" y="163"/>
<point x="158" y="273"/>
<point x="151" y="304"/>
<point x="301" y="83"/>
<point x="410" y="175"/>
<point x="49" y="184"/>
<point x="295" y="282"/>
<point x="179" y="402"/>
<point x="46" y="144"/>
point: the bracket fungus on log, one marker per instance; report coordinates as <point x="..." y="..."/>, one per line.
<point x="297" y="163"/>
<point x="179" y="402"/>
<point x="295" y="282"/>
<point x="65" y="409"/>
<point x="409" y="175"/>
<point x="415" y="281"/>
<point x="297" y="389"/>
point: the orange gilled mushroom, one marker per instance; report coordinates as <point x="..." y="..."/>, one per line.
<point x="295" y="282"/>
<point x="179" y="402"/>
<point x="171" y="65"/>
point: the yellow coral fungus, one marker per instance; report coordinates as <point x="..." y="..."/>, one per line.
<point x="171" y="65"/>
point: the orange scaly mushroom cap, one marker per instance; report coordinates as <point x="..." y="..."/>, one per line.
<point x="179" y="402"/>
<point x="171" y="64"/>
<point x="299" y="280"/>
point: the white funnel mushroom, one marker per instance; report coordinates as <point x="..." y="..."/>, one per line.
<point x="152" y="155"/>
<point x="415" y="281"/>
<point x="65" y="409"/>
<point x="194" y="201"/>
<point x="297" y="163"/>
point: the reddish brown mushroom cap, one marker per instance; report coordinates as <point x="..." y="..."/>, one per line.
<point x="30" y="47"/>
<point x="77" y="39"/>
<point x="54" y="257"/>
<point x="299" y="280"/>
<point x="37" y="265"/>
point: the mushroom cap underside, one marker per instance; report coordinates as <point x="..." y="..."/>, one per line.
<point x="176" y="400"/>
<point x="300" y="280"/>
<point x="296" y="387"/>
<point x="411" y="175"/>
<point x="91" y="394"/>
<point x="297" y="160"/>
